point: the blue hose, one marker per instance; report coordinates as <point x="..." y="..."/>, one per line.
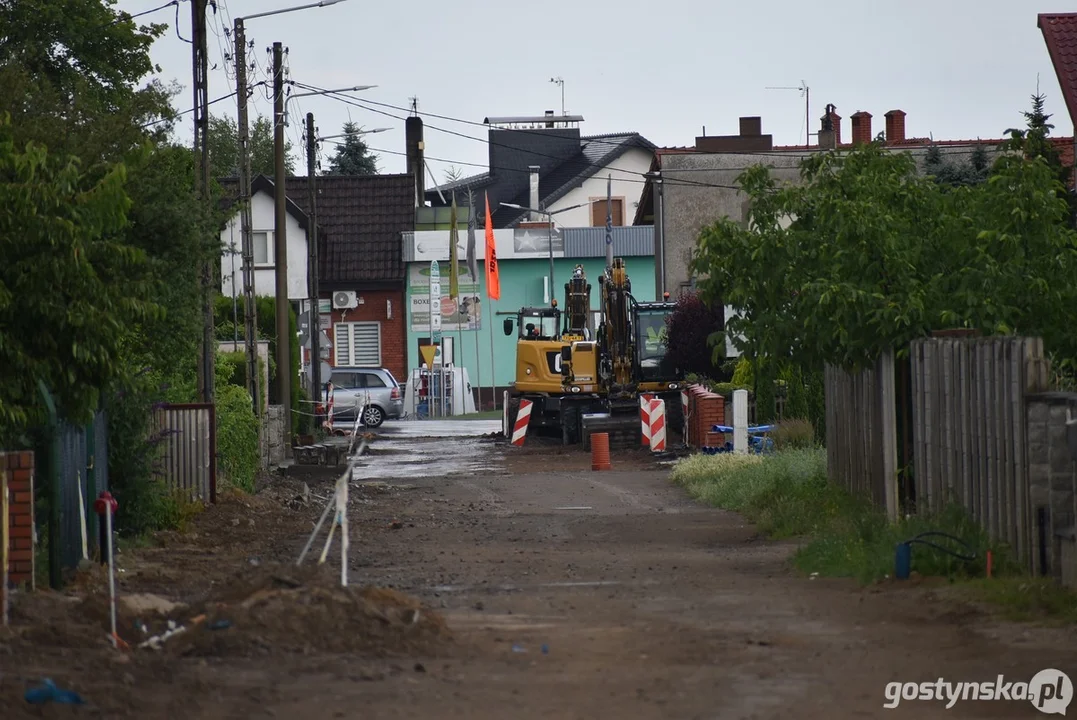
<point x="903" y="552"/>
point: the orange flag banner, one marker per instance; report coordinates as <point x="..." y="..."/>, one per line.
<point x="493" y="280"/>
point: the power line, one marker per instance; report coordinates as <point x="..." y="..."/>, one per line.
<point x="350" y="100"/>
<point x="185" y="112"/>
<point x="125" y="16"/>
<point x="521" y="170"/>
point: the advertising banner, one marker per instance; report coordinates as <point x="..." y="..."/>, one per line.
<point x="464" y="314"/>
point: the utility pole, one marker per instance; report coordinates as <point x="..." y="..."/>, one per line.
<point x="249" y="308"/>
<point x="280" y="250"/>
<point x="206" y="365"/>
<point x="658" y="190"/>
<point x="312" y="273"/>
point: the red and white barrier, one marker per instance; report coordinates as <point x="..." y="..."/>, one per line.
<point x="657" y="428"/>
<point x="329" y="412"/>
<point x="523" y="417"/>
<point x="645" y="418"/>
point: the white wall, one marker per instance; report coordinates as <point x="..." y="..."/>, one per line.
<point x="627" y="183"/>
<point x="265" y="279"/>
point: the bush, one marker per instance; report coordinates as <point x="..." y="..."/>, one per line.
<point x="793" y="435"/>
<point x="237" y="431"/>
<point x="695" y="339"/>
<point x="785" y="494"/>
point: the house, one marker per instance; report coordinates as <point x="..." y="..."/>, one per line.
<point x="545" y="163"/>
<point x="700" y="182"/>
<point x="263" y="226"/>
<point x="1060" y="34"/>
<point x="475" y="323"/>
<point x="361" y="269"/>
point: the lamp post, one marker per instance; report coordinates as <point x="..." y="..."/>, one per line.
<point x="357" y="88"/>
<point x="549" y="229"/>
<point x="246" y="221"/>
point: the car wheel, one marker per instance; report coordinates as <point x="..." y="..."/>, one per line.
<point x="373" y="416"/>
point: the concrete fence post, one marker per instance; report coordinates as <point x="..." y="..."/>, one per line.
<point x="740" y="421"/>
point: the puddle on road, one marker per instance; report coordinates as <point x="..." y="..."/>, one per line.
<point x="413" y="455"/>
<point x="437" y="429"/>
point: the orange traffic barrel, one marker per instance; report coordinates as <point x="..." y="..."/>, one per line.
<point x="600" y="451"/>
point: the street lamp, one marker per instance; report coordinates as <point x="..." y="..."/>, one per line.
<point x="246" y="222"/>
<point x="357" y="88"/>
<point x="357" y="132"/>
<point x="549" y="228"/>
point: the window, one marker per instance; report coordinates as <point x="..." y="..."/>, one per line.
<point x="263" y="248"/>
<point x="373" y="381"/>
<point x="357" y="344"/>
<point x="345" y="380"/>
<point x="598" y="212"/>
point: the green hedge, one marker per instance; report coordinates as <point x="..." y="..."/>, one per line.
<point x="237" y="427"/>
<point x="267" y="330"/>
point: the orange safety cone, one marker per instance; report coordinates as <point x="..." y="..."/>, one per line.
<point x="600" y="451"/>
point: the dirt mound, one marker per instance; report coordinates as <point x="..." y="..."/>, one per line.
<point x="289" y="609"/>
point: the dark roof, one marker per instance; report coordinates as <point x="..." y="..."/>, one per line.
<point x="509" y="185"/>
<point x="361" y="219"/>
<point x="1060" y="34"/>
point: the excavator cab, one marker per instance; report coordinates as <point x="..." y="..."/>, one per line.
<point x="538" y="349"/>
<point x="655" y="372"/>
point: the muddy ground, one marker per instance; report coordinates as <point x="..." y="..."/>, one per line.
<point x="495" y="582"/>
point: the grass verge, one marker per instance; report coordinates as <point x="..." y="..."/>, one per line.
<point x="786" y="494"/>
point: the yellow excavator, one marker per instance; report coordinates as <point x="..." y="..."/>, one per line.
<point x="627" y="360"/>
<point x="555" y="408"/>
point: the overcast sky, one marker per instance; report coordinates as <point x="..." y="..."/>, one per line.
<point x="959" y="68"/>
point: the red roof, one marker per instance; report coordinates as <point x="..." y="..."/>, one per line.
<point x="1060" y="33"/>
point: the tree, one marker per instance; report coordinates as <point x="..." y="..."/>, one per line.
<point x="69" y="69"/>
<point x="877" y="255"/>
<point x="1035" y="142"/>
<point x="68" y="289"/>
<point x="352" y="156"/>
<point x="694" y="338"/>
<point x="453" y="174"/>
<point x="957" y="172"/>
<point x="223" y="141"/>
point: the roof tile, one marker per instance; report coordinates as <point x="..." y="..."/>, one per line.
<point x="362" y="218"/>
<point x="1060" y="34"/>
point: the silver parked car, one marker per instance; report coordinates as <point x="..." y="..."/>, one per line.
<point x="351" y="385"/>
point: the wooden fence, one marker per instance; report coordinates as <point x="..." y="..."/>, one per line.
<point x="969" y="430"/>
<point x="189" y="461"/>
<point x="860" y="432"/>
<point x="967" y="439"/>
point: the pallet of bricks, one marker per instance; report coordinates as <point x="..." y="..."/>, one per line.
<point x="705" y="410"/>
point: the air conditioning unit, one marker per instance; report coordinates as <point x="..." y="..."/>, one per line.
<point x="345" y="300"/>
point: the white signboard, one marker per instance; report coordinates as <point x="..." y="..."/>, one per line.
<point x="435" y="300"/>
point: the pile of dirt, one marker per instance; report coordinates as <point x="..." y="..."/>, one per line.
<point x="288" y="609"/>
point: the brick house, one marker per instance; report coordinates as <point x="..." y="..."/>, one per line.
<point x="362" y="219"/>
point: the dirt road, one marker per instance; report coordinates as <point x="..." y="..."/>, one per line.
<point x="568" y="594"/>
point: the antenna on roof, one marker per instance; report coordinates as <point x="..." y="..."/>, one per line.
<point x="805" y="92"/>
<point x="560" y="81"/>
<point x="414" y="105"/>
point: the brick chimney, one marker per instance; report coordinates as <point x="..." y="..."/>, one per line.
<point x="861" y="128"/>
<point x="895" y="126"/>
<point x="751" y="139"/>
<point x="830" y="129"/>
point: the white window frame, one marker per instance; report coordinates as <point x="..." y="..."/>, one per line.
<point x="346" y="330"/>
<point x="269" y="249"/>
